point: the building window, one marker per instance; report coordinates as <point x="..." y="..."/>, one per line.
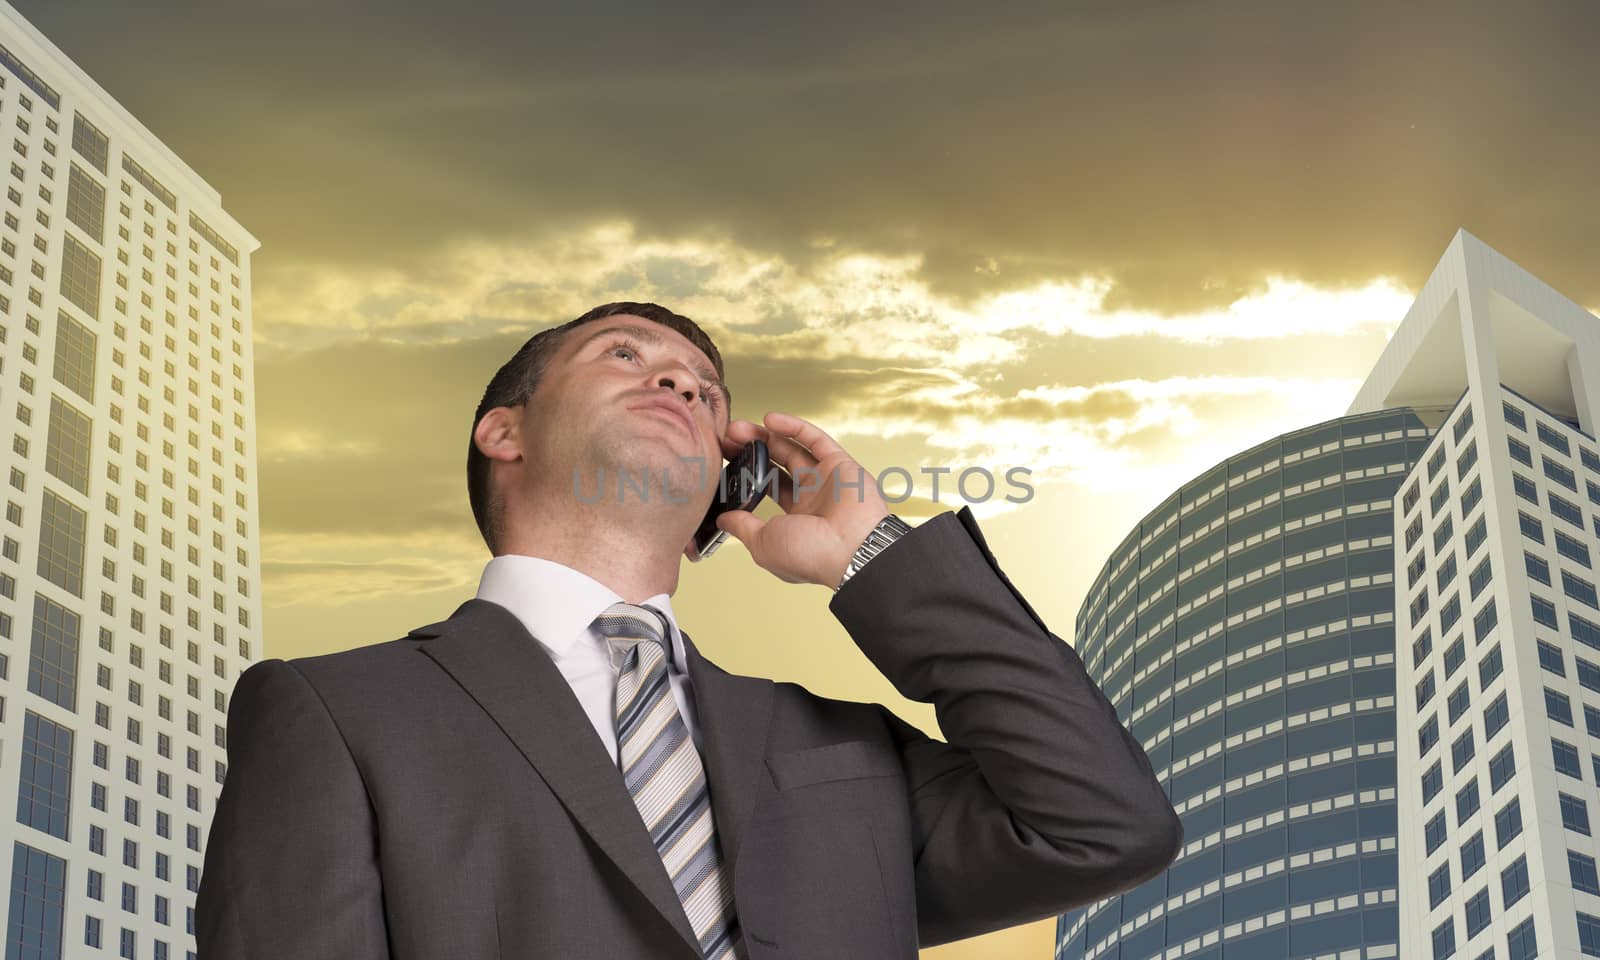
<point x="1521" y="944"/>
<point x="1476" y="534"/>
<point x="1490" y="666"/>
<point x="1551" y="659"/>
<point x="1472" y="855"/>
<point x="1551" y="438"/>
<point x="1435" y="462"/>
<point x="1439" y="885"/>
<point x="67" y="445"/>
<point x="1449" y="613"/>
<point x="1588" y="934"/>
<point x="1566" y="758"/>
<point x="1425" y="690"/>
<point x="1574" y="814"/>
<point x="1434" y="832"/>
<point x="1447" y="570"/>
<point x="1514" y="882"/>
<point x="1514" y="416"/>
<point x="61" y="539"/>
<point x="1480" y="578"/>
<point x="1525" y="488"/>
<point x="1477" y="913"/>
<point x="1571" y="549"/>
<point x="1421" y="647"/>
<point x="87" y="139"/>
<point x="1560" y="473"/>
<point x="1583" y="631"/>
<point x="1580" y="867"/>
<point x="1544" y="612"/>
<point x="53" y="659"/>
<point x="1466" y="802"/>
<point x="1495" y="716"/>
<point x="1579" y="589"/>
<point x="75" y="353"/>
<point x="1461" y="754"/>
<point x="38" y="896"/>
<point x="1419" y="606"/>
<point x="1565" y="509"/>
<point x="1460" y="699"/>
<point x="86" y="203"/>
<point x="80" y="276"/>
<point x="1428" y="736"/>
<point x="1507" y="823"/>
<point x="1444" y="939"/>
<point x="1432" y="782"/>
<point x="1441" y="534"/>
<point x="1437" y="499"/>
<point x="45" y="786"/>
<point x="1557" y="707"/>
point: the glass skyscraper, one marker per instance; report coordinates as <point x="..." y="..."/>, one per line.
<point x="1245" y="633"/>
<point x="1438" y="544"/>
<point x="130" y="588"/>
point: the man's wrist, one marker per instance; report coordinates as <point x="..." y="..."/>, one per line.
<point x="887" y="531"/>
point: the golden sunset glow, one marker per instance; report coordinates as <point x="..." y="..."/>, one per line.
<point x="1110" y="247"/>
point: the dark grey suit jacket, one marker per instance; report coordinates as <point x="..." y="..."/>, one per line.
<point x="444" y="796"/>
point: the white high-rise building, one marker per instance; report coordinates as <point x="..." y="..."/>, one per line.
<point x="130" y="581"/>
<point x="1497" y="556"/>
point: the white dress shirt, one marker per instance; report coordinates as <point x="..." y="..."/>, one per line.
<point x="558" y="605"/>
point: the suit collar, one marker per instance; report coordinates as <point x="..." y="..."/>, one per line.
<point x="488" y="651"/>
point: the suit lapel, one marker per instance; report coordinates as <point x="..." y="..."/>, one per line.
<point x="488" y="651"/>
<point x="734" y="713"/>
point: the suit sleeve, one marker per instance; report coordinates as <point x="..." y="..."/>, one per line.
<point x="291" y="864"/>
<point x="1042" y="800"/>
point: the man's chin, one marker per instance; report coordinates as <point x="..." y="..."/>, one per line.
<point x="658" y="468"/>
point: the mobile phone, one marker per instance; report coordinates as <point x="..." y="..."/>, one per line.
<point x="743" y="484"/>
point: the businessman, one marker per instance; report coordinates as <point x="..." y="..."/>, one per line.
<point x="554" y="771"/>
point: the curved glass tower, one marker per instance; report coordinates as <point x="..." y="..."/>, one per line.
<point x="1245" y="632"/>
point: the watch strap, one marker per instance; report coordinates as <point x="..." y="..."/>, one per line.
<point x="887" y="531"/>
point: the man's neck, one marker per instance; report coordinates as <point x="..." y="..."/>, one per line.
<point x="625" y="549"/>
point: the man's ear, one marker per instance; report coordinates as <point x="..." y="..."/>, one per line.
<point x="496" y="434"/>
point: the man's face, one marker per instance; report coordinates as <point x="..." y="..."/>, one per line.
<point x="595" y="409"/>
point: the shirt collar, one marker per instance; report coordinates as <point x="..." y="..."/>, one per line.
<point x="557" y="604"/>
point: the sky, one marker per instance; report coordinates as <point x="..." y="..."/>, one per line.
<point x="1110" y="243"/>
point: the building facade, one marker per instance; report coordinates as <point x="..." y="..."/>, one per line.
<point x="1497" y="535"/>
<point x="1245" y="633"/>
<point x="130" y="580"/>
<point x="1257" y="657"/>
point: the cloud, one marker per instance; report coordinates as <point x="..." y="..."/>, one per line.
<point x="1184" y="154"/>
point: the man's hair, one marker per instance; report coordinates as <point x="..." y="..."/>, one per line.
<point x="514" y="383"/>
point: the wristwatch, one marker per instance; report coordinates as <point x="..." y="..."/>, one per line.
<point x="888" y="530"/>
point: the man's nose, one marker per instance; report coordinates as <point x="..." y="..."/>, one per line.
<point x="671" y="382"/>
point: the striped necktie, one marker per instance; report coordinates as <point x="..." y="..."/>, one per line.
<point x="662" y="770"/>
